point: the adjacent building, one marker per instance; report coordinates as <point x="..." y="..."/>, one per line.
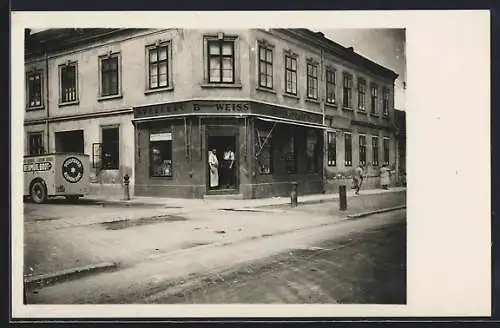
<point x="271" y="106"/>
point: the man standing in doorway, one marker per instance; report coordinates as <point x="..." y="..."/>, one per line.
<point x="358" y="178"/>
<point x="228" y="167"/>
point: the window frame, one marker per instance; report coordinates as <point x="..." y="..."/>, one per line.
<point x="374" y="99"/>
<point x="40" y="73"/>
<point x="110" y="55"/>
<point x="292" y="72"/>
<point x="268" y="131"/>
<point x="347" y="159"/>
<point x="42" y="150"/>
<point x="362" y="149"/>
<point x="167" y="61"/>
<point x="385" y="102"/>
<point x="105" y="145"/>
<point x="331" y="85"/>
<point x="362" y="95"/>
<point x="150" y="158"/>
<point x="62" y="67"/>
<point x="312" y="72"/>
<point x="293" y="142"/>
<point x="387" y="156"/>
<point x="375" y="150"/>
<point x="221" y="56"/>
<point x="266" y="63"/>
<point x="331" y="158"/>
<point x="347" y="90"/>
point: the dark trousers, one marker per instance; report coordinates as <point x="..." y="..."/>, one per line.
<point x="227" y="174"/>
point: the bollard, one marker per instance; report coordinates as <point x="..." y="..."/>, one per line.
<point x="293" y="194"/>
<point x="126" y="181"/>
<point x="343" y="198"/>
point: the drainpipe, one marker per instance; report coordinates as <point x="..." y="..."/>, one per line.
<point x="47" y="102"/>
<point x="322" y="104"/>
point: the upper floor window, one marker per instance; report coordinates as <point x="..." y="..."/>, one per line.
<point x="265" y="67"/>
<point x="374" y="99"/>
<point x="110" y="75"/>
<point x="330" y="87"/>
<point x="347" y="103"/>
<point x="158" y="66"/>
<point x="34" y="89"/>
<point x="312" y="81"/>
<point x="220" y="61"/>
<point x="35" y="143"/>
<point x="362" y="94"/>
<point x="385" y="107"/>
<point x="291" y="75"/>
<point x="68" y="83"/>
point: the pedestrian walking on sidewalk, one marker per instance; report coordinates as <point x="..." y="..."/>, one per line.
<point x="385" y="177"/>
<point x="358" y="178"/>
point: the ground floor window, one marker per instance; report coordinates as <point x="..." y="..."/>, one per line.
<point x="312" y="152"/>
<point x="264" y="150"/>
<point x="110" y="148"/>
<point x="160" y="150"/>
<point x="375" y="151"/>
<point x="332" y="148"/>
<point x="290" y="155"/>
<point x="69" y="141"/>
<point x="386" y="151"/>
<point x="362" y="150"/>
<point x="35" y="143"/>
<point x="347" y="149"/>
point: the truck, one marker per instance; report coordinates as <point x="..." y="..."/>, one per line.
<point x="56" y="174"/>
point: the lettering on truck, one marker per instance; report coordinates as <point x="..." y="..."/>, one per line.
<point x="36" y="167"/>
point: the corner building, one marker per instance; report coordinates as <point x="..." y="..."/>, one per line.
<point x="289" y="104"/>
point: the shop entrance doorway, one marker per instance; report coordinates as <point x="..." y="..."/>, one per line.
<point x="222" y="165"/>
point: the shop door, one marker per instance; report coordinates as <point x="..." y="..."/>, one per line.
<point x="224" y="176"/>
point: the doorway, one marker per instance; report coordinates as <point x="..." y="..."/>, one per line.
<point x="227" y="158"/>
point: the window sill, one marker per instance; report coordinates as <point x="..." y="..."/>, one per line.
<point x="221" y="85"/>
<point x="332" y="105"/>
<point x="69" y="103"/>
<point x="32" y="109"/>
<point x="160" y="177"/>
<point x="348" y="109"/>
<point x="313" y="101"/>
<point x="165" y="89"/>
<point x="104" y="98"/>
<point x="289" y="95"/>
<point x="386" y="117"/>
<point x="363" y="112"/>
<point x="259" y="88"/>
<point x="373" y="115"/>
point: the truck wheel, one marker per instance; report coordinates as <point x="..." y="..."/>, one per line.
<point x="38" y="192"/>
<point x="72" y="198"/>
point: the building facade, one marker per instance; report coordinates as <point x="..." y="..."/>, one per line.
<point x="271" y="106"/>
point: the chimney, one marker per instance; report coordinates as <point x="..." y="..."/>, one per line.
<point x="27" y="33"/>
<point x="351" y="48"/>
<point x="320" y="34"/>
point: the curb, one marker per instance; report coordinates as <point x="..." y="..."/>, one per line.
<point x="383" y="210"/>
<point x="52" y="278"/>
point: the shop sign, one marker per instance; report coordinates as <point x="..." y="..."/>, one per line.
<point x="221" y="107"/>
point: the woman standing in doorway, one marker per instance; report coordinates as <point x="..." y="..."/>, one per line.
<point x="213" y="164"/>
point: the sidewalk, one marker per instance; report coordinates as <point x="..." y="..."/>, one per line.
<point x="211" y="204"/>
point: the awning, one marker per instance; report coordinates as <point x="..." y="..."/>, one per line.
<point x="285" y="121"/>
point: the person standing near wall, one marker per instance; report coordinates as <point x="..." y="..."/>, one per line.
<point x="213" y="164"/>
<point x="385" y="177"/>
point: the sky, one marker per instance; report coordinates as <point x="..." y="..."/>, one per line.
<point x="383" y="46"/>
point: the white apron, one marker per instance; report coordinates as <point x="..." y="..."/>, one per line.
<point x="214" y="172"/>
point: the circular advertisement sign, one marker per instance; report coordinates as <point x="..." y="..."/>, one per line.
<point x="72" y="169"/>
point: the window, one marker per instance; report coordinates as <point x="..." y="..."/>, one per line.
<point x="332" y="148"/>
<point x="312" y="81"/>
<point x="312" y="152"/>
<point x="158" y="66"/>
<point x="263" y="150"/>
<point x="330" y="87"/>
<point x="361" y="95"/>
<point x="160" y="154"/>
<point x="375" y="151"/>
<point x="347" y="103"/>
<point x="34" y="89"/>
<point x="291" y="75"/>
<point x="348" y="149"/>
<point x="290" y="156"/>
<point x="362" y="150"/>
<point x="386" y="151"/>
<point x="110" y="148"/>
<point x="386" y="102"/>
<point x="68" y="81"/>
<point x="374" y="99"/>
<point x="69" y="141"/>
<point x="110" y="75"/>
<point x="220" y="61"/>
<point x="35" y="143"/>
<point x="265" y="67"/>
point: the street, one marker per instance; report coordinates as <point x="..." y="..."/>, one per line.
<point x="169" y="254"/>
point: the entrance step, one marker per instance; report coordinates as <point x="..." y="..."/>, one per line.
<point x="223" y="196"/>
